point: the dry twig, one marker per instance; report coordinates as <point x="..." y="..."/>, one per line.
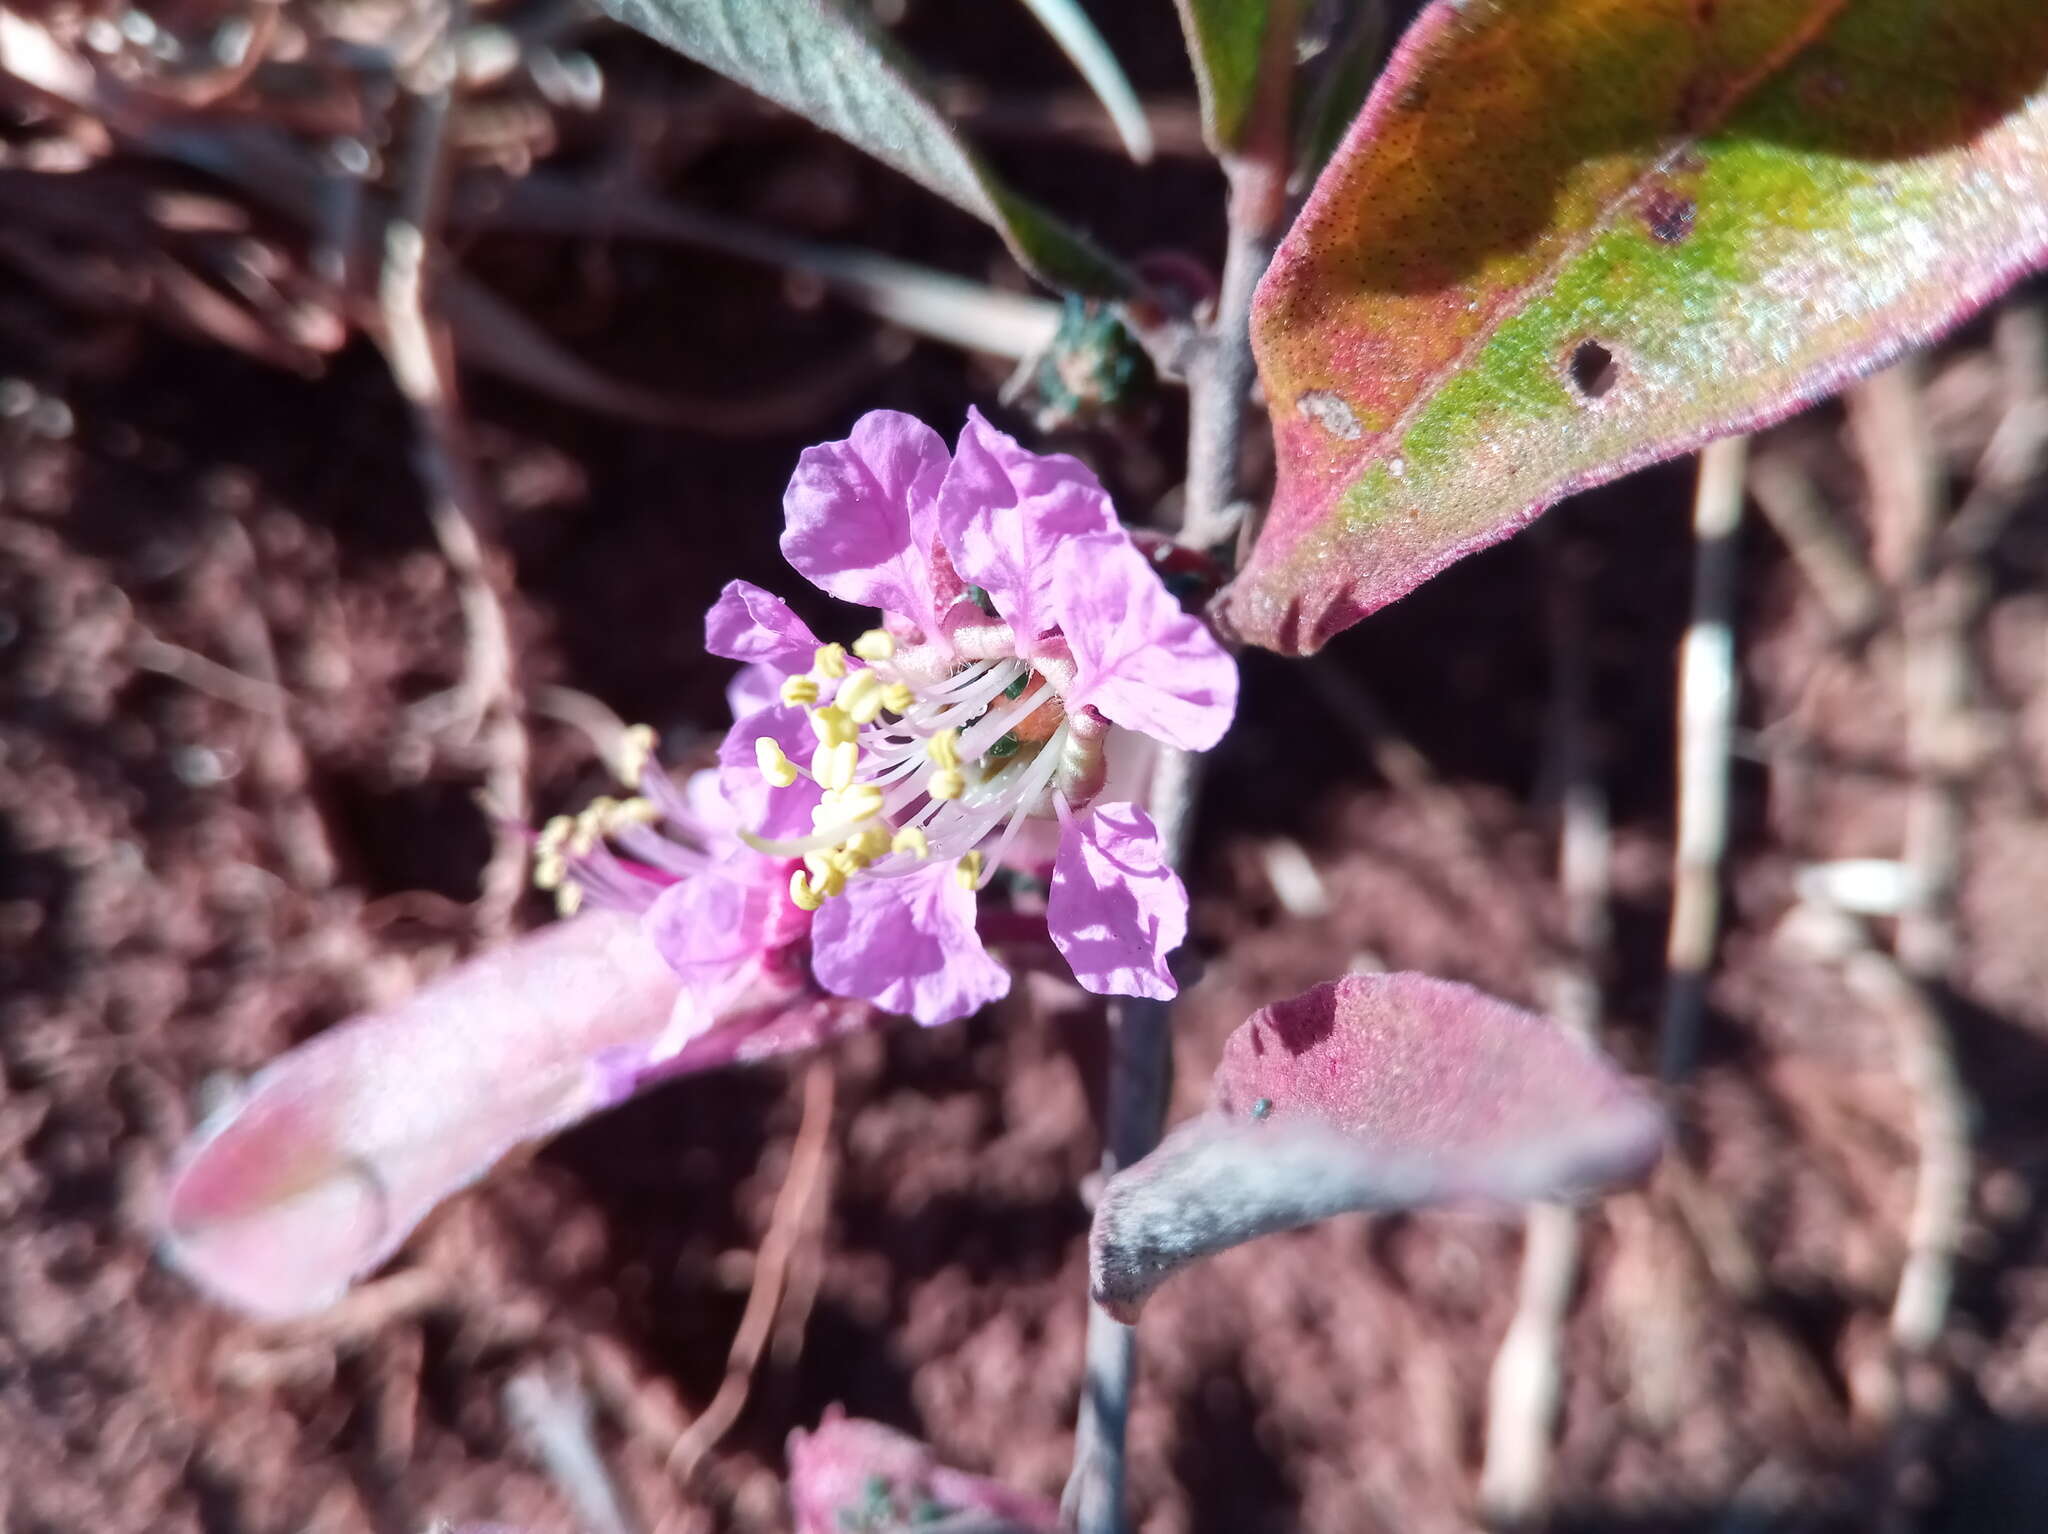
<point x="553" y="1415"/>
<point x="1706" y="713"/>
<point x="786" y="1226"/>
<point x="1939" y="603"/>
<point x="485" y="704"/>
<point x="1523" y="1394"/>
<point x="1819" y="545"/>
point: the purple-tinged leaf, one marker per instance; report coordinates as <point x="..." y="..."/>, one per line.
<point x="1566" y="238"/>
<point x="1371" y="1092"/>
<point x="341" y="1146"/>
<point x="858" y="1477"/>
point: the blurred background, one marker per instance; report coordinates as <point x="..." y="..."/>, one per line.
<point x="239" y="800"/>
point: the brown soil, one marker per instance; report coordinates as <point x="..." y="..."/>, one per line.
<point x="189" y="883"/>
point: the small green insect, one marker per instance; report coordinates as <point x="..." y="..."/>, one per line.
<point x="1262" y="1108"/>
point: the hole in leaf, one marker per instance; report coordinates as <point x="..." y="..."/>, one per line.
<point x="1593" y="369"/>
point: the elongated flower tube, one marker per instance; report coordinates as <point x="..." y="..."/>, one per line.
<point x="1026" y="651"/>
<point x="683" y="953"/>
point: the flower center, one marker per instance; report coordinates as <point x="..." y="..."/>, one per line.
<point x="914" y="771"/>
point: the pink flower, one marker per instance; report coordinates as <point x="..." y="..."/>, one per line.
<point x="1026" y="651"/>
<point x="851" y="1476"/>
<point x="684" y="953"/>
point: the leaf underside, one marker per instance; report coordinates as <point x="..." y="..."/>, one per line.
<point x="828" y="61"/>
<point x="1566" y="238"/>
<point x="1371" y="1092"/>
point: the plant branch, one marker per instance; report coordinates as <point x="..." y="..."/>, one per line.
<point x="485" y="702"/>
<point x="1706" y="714"/>
<point x="1524" y="1390"/>
<point x="1939" y="602"/>
<point x="1140" y="1076"/>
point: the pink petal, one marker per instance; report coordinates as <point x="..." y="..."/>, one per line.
<point x="757" y="805"/>
<point x="341" y="1146"/>
<point x="749" y="624"/>
<point x="754" y="688"/>
<point x="1004" y="512"/>
<point x="1140" y="660"/>
<point x="908" y="945"/>
<point x="852" y="1474"/>
<point x="1116" y="909"/>
<point x="1371" y="1092"/>
<point x="861" y="520"/>
<point x="711" y="925"/>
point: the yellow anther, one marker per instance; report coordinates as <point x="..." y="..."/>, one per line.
<point x="829" y="664"/>
<point x="799" y="691"/>
<point x="774" y="762"/>
<point x="549" y="869"/>
<point x="590" y="825"/>
<point x="554" y="835"/>
<point x="969" y="871"/>
<point x="861" y="696"/>
<point x="801" y="895"/>
<point x="946" y="783"/>
<point x="833" y="882"/>
<point x="869" y="843"/>
<point x="636" y="750"/>
<point x="944" y="749"/>
<point x="863" y="801"/>
<point x="911" y="840"/>
<point x="875" y="644"/>
<point x="569" y="899"/>
<point x="637" y="811"/>
<point x="845" y="864"/>
<point x="897" y="697"/>
<point x="834" y="766"/>
<point x="831" y="725"/>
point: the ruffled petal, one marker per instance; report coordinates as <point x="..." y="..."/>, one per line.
<point x="1004" y="511"/>
<point x="1139" y="659"/>
<point x="754" y="688"/>
<point x="337" y="1149"/>
<point x="750" y="624"/>
<point x="712" y="925"/>
<point x="757" y="805"/>
<point x="861" y="519"/>
<point x="1117" y="909"/>
<point x="907" y="944"/>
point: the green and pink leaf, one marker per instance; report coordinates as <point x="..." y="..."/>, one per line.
<point x="1566" y="238"/>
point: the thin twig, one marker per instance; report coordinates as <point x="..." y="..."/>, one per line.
<point x="553" y="1416"/>
<point x="1706" y="713"/>
<point x="486" y="700"/>
<point x="1140" y="1079"/>
<point x="1523" y="1396"/>
<point x="1940" y="600"/>
<point x="280" y="769"/>
<point x="1819" y="545"/>
<point x="202" y="674"/>
<point x="786" y="1225"/>
<point x="919" y="299"/>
